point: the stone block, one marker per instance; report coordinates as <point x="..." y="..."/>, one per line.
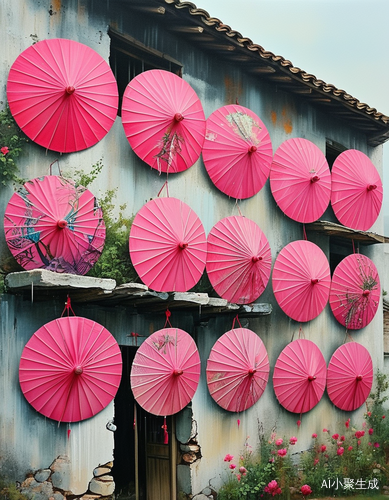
<point x="61" y="476"/>
<point x="42" y="475"/>
<point x="33" y="490"/>
<point x="101" y="471"/>
<point x="103" y="485"/>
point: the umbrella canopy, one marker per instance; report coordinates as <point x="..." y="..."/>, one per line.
<point x="163" y="120"/>
<point x="300" y="180"/>
<point x="301" y="280"/>
<point x="299" y="376"/>
<point x="355" y="291"/>
<point x="238" y="259"/>
<point x="168" y="246"/>
<point x="165" y="372"/>
<point x="52" y="223"/>
<point x="237" y="369"/>
<point x="349" y="376"/>
<point x="356" y="190"/>
<point x="62" y="94"/>
<point x="70" y="369"/>
<point x="237" y="151"/>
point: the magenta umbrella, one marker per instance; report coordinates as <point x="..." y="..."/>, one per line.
<point x="237" y="151"/>
<point x="168" y="246"/>
<point x="165" y="372"/>
<point x="70" y="369"/>
<point x="299" y="376"/>
<point x="349" y="376"/>
<point x="355" y="291"/>
<point x="301" y="280"/>
<point x="62" y="94"/>
<point x="163" y="120"/>
<point x="300" y="180"/>
<point x="237" y="369"/>
<point x="54" y="224"/>
<point x="238" y="259"/>
<point x="357" y="191"/>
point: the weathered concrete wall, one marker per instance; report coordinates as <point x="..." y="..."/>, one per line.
<point x="30" y="441"/>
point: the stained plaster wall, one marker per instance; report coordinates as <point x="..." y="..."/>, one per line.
<point x="217" y="83"/>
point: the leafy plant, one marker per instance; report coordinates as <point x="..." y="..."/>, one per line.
<point x="376" y="415"/>
<point x="12" y="140"/>
<point x="114" y="262"/>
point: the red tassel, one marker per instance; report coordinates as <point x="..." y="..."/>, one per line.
<point x="69" y="431"/>
<point x="165" y="433"/>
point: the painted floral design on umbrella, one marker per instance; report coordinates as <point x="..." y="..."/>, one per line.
<point x="238" y="259"/>
<point x="237" y="151"/>
<point x="300" y="180"/>
<point x="168" y="246"/>
<point x="357" y="190"/>
<point x="62" y="94"/>
<point x="350" y="376"/>
<point x="70" y="369"/>
<point x="165" y="372"/>
<point x="163" y="120"/>
<point x="299" y="376"/>
<point x="301" y="280"/>
<point x="355" y="291"/>
<point x="237" y="369"/>
<point x="52" y="223"/>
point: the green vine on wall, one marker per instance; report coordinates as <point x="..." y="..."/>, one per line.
<point x="12" y="141"/>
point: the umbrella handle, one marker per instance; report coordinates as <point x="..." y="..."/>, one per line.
<point x="176" y="372"/>
<point x="183" y="245"/>
<point x="315" y="178"/>
<point x="252" y="149"/>
<point x="178" y="117"/>
<point x="371" y="187"/>
<point x="62" y="223"/>
<point x="311" y="378"/>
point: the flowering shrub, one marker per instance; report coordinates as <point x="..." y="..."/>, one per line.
<point x="11" y="144"/>
<point x="273" y="488"/>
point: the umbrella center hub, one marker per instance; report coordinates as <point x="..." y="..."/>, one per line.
<point x="62" y="223"/>
<point x="78" y="370"/>
<point x="178" y="117"/>
<point x="183" y="245"/>
<point x="311" y="378"/>
<point x="371" y="187"/>
<point x="255" y="258"/>
<point x="314" y="281"/>
<point x="177" y="372"/>
<point x="70" y="89"/>
<point x="359" y="378"/>
<point x="252" y="371"/>
<point x="315" y="178"/>
<point x="252" y="149"/>
<point x="366" y="293"/>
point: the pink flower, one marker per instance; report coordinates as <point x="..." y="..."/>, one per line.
<point x="228" y="457"/>
<point x="335" y="436"/>
<point x="340" y="451"/>
<point x="293" y="440"/>
<point x="279" y="442"/>
<point x="371" y="431"/>
<point x="342" y="438"/>
<point x="282" y="452"/>
<point x="339" y="443"/>
<point x="315" y="462"/>
<point x="273" y="488"/>
<point x="4" y="150"/>
<point x="347" y="423"/>
<point x="232" y="466"/>
<point x="238" y="476"/>
<point x="242" y="470"/>
<point x="359" y="434"/>
<point x="369" y="413"/>
<point x="271" y="460"/>
<point x="376" y="445"/>
<point x="298" y="423"/>
<point x="350" y="448"/>
<point x="383" y="416"/>
<point x="325" y="430"/>
<point x="314" y="435"/>
<point x="323" y="448"/>
<point x="305" y="490"/>
<point x="358" y="442"/>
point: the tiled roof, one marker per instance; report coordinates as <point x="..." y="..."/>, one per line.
<point x="211" y="35"/>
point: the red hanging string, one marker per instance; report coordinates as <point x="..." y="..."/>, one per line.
<point x="237" y="206"/>
<point x="165" y="433"/>
<point x="51" y="169"/>
<point x="68" y="307"/>
<point x="236" y="319"/>
<point x="167" y="188"/>
<point x="304" y="233"/>
<point x="353" y="246"/>
<point x="167" y="322"/>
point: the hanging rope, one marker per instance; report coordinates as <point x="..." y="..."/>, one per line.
<point x="165" y="433"/>
<point x="167" y="321"/>
<point x="237" y="206"/>
<point x="233" y="322"/>
<point x="51" y="167"/>
<point x="304" y="233"/>
<point x="167" y="188"/>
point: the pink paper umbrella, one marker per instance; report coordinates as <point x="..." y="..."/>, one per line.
<point x="163" y="120"/>
<point x="301" y="280"/>
<point x="237" y="369"/>
<point x="300" y="180"/>
<point x="356" y="190"/>
<point x="237" y="151"/>
<point x="168" y="246"/>
<point x="70" y="369"/>
<point x="355" y="291"/>
<point x="349" y="376"/>
<point x="51" y="223"/>
<point x="299" y="376"/>
<point x="165" y="372"/>
<point x="238" y="259"/>
<point x="62" y="94"/>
